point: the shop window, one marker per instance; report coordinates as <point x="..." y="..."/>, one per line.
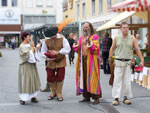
<point x="36" y="19"/>
<point x="27" y="20"/>
<point x="51" y="20"/>
<point x="43" y="19"/>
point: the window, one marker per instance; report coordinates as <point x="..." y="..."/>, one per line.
<point x="78" y="11"/>
<point x="83" y="10"/>
<point x="93" y="7"/>
<point x="39" y="19"/>
<point x="43" y="19"/>
<point x="39" y="3"/>
<point x="36" y="19"/>
<point x="108" y="4"/>
<point x="27" y="20"/>
<point x="14" y="2"/>
<point x="100" y="6"/>
<point x="49" y="3"/>
<point x="51" y="20"/>
<point x="29" y="3"/>
<point x="4" y="2"/>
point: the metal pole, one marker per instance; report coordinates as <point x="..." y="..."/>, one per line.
<point x="131" y="25"/>
<point x="149" y="26"/>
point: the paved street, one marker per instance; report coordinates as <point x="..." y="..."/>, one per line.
<point x="9" y="100"/>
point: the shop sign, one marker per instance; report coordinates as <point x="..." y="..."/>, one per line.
<point x="10" y="16"/>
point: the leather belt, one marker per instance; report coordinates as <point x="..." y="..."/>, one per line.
<point x="84" y="57"/>
<point x="123" y="60"/>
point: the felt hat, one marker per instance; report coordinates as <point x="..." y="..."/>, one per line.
<point x="51" y="31"/>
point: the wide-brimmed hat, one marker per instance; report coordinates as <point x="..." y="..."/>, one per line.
<point x="51" y="31"/>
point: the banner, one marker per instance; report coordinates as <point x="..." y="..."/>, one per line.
<point x="10" y="16"/>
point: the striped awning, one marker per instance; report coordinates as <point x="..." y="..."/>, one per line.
<point x="132" y="5"/>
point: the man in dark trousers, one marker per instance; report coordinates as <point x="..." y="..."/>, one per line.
<point x="71" y="54"/>
<point x="106" y="45"/>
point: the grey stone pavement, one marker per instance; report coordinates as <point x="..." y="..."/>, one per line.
<point x="9" y="100"/>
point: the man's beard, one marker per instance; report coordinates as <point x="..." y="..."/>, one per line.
<point x="87" y="32"/>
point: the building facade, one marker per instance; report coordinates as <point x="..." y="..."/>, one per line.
<point x="95" y="11"/>
<point x="19" y="15"/>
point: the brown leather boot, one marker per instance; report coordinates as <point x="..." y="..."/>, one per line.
<point x="47" y="88"/>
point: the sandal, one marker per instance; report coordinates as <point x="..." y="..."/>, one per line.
<point x="51" y="97"/>
<point x="34" y="100"/>
<point x="60" y="99"/>
<point x="22" y="102"/>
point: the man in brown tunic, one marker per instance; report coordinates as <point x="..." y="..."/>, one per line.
<point x="56" y="47"/>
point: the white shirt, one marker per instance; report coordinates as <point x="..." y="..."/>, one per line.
<point x="33" y="57"/>
<point x="65" y="50"/>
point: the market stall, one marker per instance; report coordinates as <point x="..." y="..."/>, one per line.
<point x="127" y="9"/>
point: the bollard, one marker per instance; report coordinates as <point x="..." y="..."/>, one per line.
<point x="0" y="54"/>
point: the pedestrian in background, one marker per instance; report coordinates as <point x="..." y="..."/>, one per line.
<point x="29" y="82"/>
<point x="106" y="45"/>
<point x="13" y="43"/>
<point x="122" y="46"/>
<point x="71" y="54"/>
<point x="88" y="65"/>
<point x="47" y="87"/>
<point x="140" y="42"/>
<point x="147" y="45"/>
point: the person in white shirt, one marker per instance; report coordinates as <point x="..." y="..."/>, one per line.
<point x="47" y="87"/>
<point x="140" y="43"/>
<point x="146" y="40"/>
<point x="57" y="46"/>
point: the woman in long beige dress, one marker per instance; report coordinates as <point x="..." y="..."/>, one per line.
<point x="28" y="80"/>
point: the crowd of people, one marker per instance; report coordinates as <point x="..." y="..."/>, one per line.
<point x="54" y="48"/>
<point x="11" y="43"/>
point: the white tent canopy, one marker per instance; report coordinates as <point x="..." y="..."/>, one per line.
<point x="112" y="23"/>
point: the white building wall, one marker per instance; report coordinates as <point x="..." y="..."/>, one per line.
<point x="59" y="10"/>
<point x="37" y="10"/>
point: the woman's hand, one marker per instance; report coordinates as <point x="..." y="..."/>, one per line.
<point x="32" y="43"/>
<point x="75" y="39"/>
<point x="37" y="46"/>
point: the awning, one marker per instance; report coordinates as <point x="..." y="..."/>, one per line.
<point x="10" y="32"/>
<point x="32" y="26"/>
<point x="112" y="23"/>
<point x="132" y="5"/>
